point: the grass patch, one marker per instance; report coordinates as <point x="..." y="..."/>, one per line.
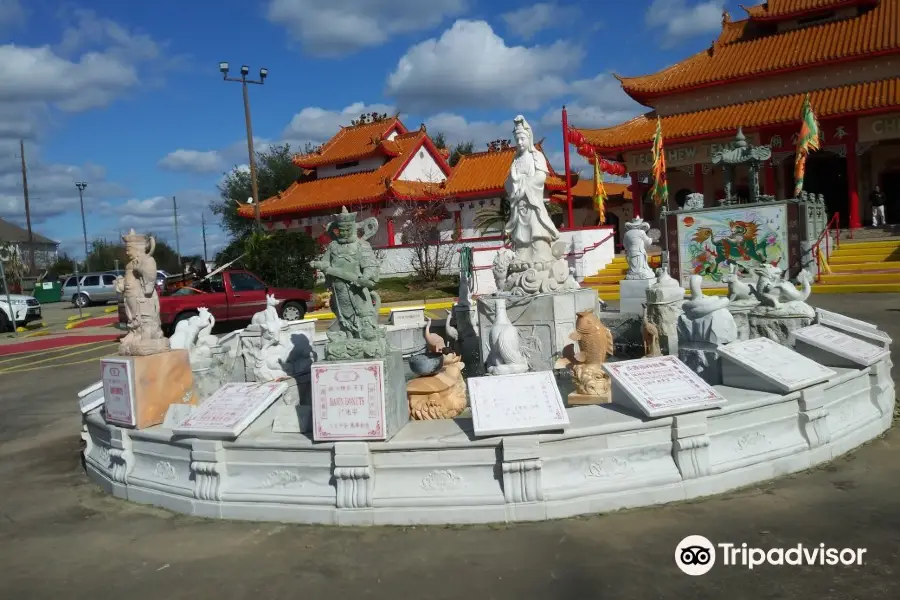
<point x="399" y="289"/>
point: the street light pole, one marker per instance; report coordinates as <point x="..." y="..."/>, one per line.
<point x="263" y="73"/>
<point x="81" y="185"/>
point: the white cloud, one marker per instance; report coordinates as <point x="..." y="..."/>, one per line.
<point x="679" y="20"/>
<point x="471" y="66"/>
<point x="341" y="27"/>
<point x="194" y="161"/>
<point x="528" y="21"/>
<point x="12" y="14"/>
<point x="457" y="129"/>
<point x="595" y="102"/>
<point x="316" y="125"/>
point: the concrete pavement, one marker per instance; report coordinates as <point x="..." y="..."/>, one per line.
<point x="61" y="536"/>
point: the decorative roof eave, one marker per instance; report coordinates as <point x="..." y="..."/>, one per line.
<point x="384" y="148"/>
<point x="646" y="98"/>
<point x="247" y="210"/>
<point x="760" y="14"/>
<point x="316" y="159"/>
<point x="871" y="98"/>
<point x="442" y="163"/>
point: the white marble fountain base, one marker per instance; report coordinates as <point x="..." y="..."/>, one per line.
<point x="435" y="472"/>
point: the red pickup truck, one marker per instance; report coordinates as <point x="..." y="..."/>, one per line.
<point x="232" y="295"/>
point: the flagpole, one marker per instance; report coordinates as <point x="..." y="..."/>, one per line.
<point x="565" y="132"/>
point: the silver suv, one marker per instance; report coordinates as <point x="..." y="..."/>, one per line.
<point x="96" y="288"/>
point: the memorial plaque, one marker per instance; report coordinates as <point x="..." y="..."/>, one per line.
<point x="767" y="366"/>
<point x="506" y="404"/>
<point x="409" y="316"/>
<point x="348" y="401"/>
<point x="230" y="410"/>
<point x="118" y="391"/>
<point x="838" y="343"/>
<point x="660" y="386"/>
<point x="855" y="327"/>
<point x="91" y="397"/>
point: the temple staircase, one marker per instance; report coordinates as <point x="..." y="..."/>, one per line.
<point x="865" y="264"/>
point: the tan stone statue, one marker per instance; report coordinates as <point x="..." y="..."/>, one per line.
<point x="595" y="344"/>
<point x="440" y="396"/>
<point x="650" y="333"/>
<point x="138" y="288"/>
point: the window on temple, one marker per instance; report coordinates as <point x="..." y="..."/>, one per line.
<point x="347" y="165"/>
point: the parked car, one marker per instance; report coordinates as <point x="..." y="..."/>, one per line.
<point x="19" y="310"/>
<point x="95" y="288"/>
<point x="233" y="296"/>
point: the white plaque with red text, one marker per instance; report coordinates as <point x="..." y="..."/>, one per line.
<point x="230" y="410"/>
<point x="348" y="401"/>
<point x="660" y="386"/>
<point x="118" y="391"/>
<point x="522" y="403"/>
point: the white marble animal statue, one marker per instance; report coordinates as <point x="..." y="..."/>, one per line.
<point x="270" y="314"/>
<point x="737" y="289"/>
<point x="194" y="332"/>
<point x="771" y="289"/>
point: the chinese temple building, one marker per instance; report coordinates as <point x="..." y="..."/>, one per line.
<point x="755" y="75"/>
<point x="373" y="167"/>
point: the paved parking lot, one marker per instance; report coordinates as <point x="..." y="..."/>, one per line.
<point x="61" y="537"/>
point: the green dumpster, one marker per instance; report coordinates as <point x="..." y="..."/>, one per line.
<point x="48" y="291"/>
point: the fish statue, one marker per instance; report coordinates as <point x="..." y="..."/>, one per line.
<point x="595" y="341"/>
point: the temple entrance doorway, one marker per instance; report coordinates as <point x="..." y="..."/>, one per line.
<point x="826" y="174"/>
<point x="890" y="187"/>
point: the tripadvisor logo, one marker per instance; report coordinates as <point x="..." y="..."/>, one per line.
<point x="696" y="555"/>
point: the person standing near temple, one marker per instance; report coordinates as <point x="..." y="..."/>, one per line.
<point x="876" y="198"/>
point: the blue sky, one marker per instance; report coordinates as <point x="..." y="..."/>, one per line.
<point x="127" y="96"/>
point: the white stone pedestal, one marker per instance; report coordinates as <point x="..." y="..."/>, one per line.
<point x="544" y="322"/>
<point x="633" y="295"/>
<point x="703" y="359"/>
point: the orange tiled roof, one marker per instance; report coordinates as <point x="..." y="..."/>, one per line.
<point x="737" y="54"/>
<point x="353" y="143"/>
<point x="486" y="172"/>
<point x="352" y="189"/>
<point x="791" y="8"/>
<point x="585" y="189"/>
<point x="872" y="96"/>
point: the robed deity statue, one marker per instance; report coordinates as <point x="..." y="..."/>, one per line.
<point x="351" y="272"/>
<point x="138" y="289"/>
<point x="539" y="265"/>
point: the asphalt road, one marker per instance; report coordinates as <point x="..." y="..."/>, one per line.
<point x="61" y="537"/>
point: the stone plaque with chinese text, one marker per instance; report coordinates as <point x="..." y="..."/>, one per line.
<point x="118" y="391"/>
<point x="413" y="316"/>
<point x="840" y="344"/>
<point x="230" y="410"/>
<point x="765" y="365"/>
<point x="507" y="404"/>
<point x="660" y="386"/>
<point x="348" y="401"/>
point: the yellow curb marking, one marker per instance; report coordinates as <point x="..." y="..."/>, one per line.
<point x="27" y="353"/>
<point x="95" y="347"/>
<point x="78" y="317"/>
<point x="111" y="309"/>
<point x="77" y="362"/>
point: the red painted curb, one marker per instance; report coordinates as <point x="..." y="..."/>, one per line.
<point x="97" y="322"/>
<point x="57" y="342"/>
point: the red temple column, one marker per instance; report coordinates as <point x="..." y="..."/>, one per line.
<point x="390" y="232"/>
<point x="769" y="168"/>
<point x="636" y="195"/>
<point x="698" y="179"/>
<point x="853" y="183"/>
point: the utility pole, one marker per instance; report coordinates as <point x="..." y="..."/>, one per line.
<point x="81" y="185"/>
<point x="31" y="266"/>
<point x="263" y="73"/>
<point x="203" y="228"/>
<point x="177" y="244"/>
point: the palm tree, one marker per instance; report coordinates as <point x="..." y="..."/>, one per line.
<point x="492" y="218"/>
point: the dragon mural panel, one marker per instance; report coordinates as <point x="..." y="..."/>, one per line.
<point x="710" y="240"/>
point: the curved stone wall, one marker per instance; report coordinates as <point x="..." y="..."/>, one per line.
<point x="435" y="472"/>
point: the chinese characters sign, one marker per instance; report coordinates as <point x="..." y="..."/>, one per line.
<point x="231" y="409"/>
<point x="348" y="401"/>
<point x="118" y="390"/>
<point x="505" y="404"/>
<point x="661" y="386"/>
